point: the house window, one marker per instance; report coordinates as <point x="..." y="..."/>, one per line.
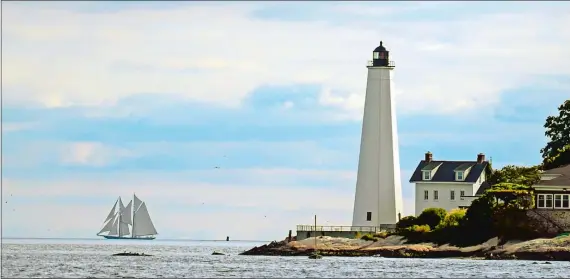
<point x="459" y="175"/>
<point x="540" y="201"/>
<point x="427" y="175"/>
<point x="560" y="200"/>
<point x="452" y="195"/>
<point x="548" y="203"/>
<point x="435" y="195"/>
<point x="426" y="195"/>
<point x="368" y="216"/>
<point x="544" y="201"/>
<point x="462" y="194"/>
<point x="557" y="201"/>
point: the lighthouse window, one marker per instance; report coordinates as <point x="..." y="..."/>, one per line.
<point x="368" y="216"/>
<point x="381" y="55"/>
<point x="376" y="54"/>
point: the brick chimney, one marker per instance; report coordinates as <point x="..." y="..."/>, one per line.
<point x="480" y="158"/>
<point x="429" y="157"/>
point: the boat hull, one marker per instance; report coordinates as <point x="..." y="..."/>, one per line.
<point x="128" y="238"/>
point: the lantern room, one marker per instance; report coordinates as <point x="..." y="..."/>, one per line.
<point x="381" y="57"/>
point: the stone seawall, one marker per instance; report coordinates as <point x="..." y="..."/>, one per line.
<point x="554" y="221"/>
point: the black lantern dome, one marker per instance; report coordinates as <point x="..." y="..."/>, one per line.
<point x="381" y="57"/>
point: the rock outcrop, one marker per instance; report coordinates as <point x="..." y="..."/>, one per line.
<point x="556" y="249"/>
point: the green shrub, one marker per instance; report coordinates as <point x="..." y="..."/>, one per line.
<point x="421" y="228"/>
<point x="453" y="219"/>
<point x="431" y="217"/>
<point x="358" y="235"/>
<point x="416" y="233"/>
<point x="381" y="234"/>
<point x="369" y="237"/>
<point x="406" y="222"/>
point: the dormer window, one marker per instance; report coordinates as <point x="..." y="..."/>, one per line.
<point x="459" y="175"/>
<point x="462" y="170"/>
<point x="429" y="170"/>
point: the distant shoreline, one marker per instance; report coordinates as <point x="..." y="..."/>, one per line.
<point x="158" y="239"/>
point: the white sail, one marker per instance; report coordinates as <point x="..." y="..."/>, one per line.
<point x="136" y="203"/>
<point x="126" y="215"/>
<point x="142" y="223"/>
<point x="124" y="229"/>
<point x="108" y="226"/>
<point x="112" y="213"/>
<point x="121" y="205"/>
<point x="115" y="227"/>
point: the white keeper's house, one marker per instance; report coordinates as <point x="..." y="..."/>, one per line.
<point x="448" y="184"/>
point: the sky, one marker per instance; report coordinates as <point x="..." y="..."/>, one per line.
<point x="243" y="119"/>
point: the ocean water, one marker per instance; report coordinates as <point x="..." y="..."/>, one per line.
<point x="27" y="258"/>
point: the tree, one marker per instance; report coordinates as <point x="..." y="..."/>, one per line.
<point x="556" y="153"/>
<point x="527" y="176"/>
<point x="432" y="217"/>
<point x="510" y="195"/>
<point x="478" y="221"/>
<point x="560" y="159"/>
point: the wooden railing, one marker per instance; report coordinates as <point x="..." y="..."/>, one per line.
<point x="309" y="228"/>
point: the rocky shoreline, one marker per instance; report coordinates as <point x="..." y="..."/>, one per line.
<point x="556" y="249"/>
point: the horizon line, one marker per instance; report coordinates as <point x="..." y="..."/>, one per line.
<point x="159" y="239"/>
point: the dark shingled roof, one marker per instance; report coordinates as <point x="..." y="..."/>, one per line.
<point x="464" y="166"/>
<point x="431" y="166"/>
<point x="562" y="180"/>
<point x="446" y="173"/>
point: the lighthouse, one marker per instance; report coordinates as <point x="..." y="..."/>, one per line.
<point x="378" y="197"/>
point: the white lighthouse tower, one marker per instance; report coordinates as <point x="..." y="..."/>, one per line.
<point x="378" y="198"/>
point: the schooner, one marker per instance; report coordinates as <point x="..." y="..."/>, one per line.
<point x="129" y="222"/>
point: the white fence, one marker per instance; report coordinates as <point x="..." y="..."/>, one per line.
<point x="309" y="228"/>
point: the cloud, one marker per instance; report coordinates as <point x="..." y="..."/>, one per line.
<point x="18" y="126"/>
<point x="462" y="64"/>
<point x="48" y="157"/>
<point x="91" y="154"/>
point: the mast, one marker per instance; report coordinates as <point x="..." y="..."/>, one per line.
<point x="120" y="213"/>
<point x="133" y="219"/>
<point x="315" y="233"/>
